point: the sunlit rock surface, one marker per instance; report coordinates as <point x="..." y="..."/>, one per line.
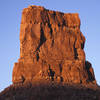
<point x="51" y="49"/>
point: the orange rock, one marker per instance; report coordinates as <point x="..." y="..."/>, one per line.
<point x="51" y="48"/>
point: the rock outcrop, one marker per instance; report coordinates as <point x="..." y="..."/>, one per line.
<point x="51" y="49"/>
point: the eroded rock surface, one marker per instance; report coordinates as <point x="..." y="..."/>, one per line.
<point x="51" y="48"/>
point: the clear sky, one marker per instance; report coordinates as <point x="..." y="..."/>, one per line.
<point x="10" y="18"/>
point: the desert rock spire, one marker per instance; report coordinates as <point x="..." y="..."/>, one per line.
<point x="51" y="48"/>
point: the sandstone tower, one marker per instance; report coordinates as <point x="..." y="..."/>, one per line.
<point x="51" y="49"/>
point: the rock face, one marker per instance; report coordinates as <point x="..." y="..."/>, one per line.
<point x="51" y="49"/>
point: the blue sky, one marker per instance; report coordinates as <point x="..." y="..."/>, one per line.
<point x="10" y="18"/>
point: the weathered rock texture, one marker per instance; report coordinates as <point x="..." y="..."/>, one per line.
<point x="51" y="49"/>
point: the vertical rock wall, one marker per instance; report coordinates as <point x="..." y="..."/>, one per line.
<point x="51" y="48"/>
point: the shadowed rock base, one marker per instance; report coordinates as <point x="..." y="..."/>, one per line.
<point x="50" y="92"/>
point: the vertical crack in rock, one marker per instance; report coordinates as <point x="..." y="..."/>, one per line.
<point x="50" y="29"/>
<point x="51" y="73"/>
<point x="42" y="39"/>
<point x="90" y="71"/>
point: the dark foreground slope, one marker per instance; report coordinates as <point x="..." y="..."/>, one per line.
<point x="50" y="92"/>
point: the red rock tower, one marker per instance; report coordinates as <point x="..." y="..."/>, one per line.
<point x="51" y="49"/>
